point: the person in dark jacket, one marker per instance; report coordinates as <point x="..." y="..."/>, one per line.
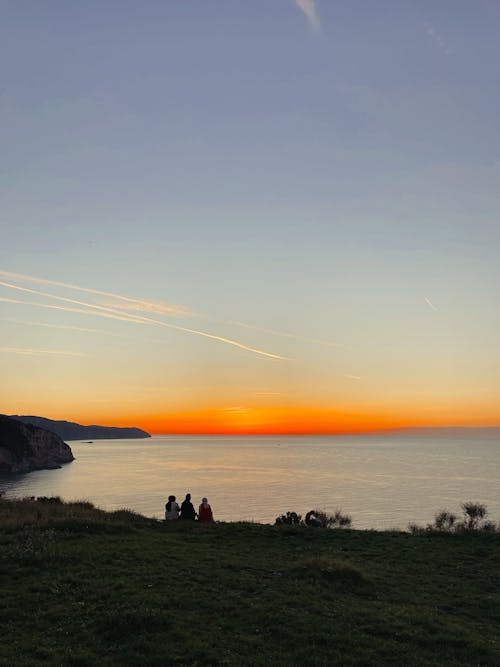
<point x="187" y="509"/>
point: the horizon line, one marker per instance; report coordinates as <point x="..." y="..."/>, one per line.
<point x="389" y="429"/>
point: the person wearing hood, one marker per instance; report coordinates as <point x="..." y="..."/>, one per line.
<point x="205" y="511"/>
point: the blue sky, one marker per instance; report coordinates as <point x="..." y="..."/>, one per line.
<point x="333" y="176"/>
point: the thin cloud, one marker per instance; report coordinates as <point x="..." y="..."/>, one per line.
<point x="143" y="306"/>
<point x="34" y="352"/>
<point x="68" y="309"/>
<point x="51" y="326"/>
<point x="309" y="9"/>
<point x="116" y="314"/>
<point x="438" y="39"/>
<point x="133" y="303"/>
<point x="352" y="377"/>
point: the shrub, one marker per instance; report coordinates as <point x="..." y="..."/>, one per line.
<point x="53" y="500"/>
<point x="288" y="519"/>
<point x="474" y="513"/>
<point x="320" y="519"/>
<point x="473" y="520"/>
<point x="490" y="527"/>
<point x="444" y="520"/>
<point x="82" y="505"/>
<point x="415" y="529"/>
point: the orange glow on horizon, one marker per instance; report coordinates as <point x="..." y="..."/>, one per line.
<point x="289" y="420"/>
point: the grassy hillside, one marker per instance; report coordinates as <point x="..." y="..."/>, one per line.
<point x="81" y="587"/>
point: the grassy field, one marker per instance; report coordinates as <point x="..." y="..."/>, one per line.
<point x="81" y="587"/>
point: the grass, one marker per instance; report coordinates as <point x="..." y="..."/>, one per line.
<point x="85" y="588"/>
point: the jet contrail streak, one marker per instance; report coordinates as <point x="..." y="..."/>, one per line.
<point x="40" y="352"/>
<point x="284" y="334"/>
<point x="429" y="303"/>
<point x="67" y="309"/>
<point x="135" y="303"/>
<point x="52" y="326"/>
<point x="141" y="319"/>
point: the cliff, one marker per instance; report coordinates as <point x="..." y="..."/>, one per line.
<point x="24" y="447"/>
<point x="72" y="431"/>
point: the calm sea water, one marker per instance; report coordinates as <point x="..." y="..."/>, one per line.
<point x="381" y="481"/>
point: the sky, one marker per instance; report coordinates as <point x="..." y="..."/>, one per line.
<point x="250" y="216"/>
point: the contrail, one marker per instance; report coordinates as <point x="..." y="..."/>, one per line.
<point x="144" y="305"/>
<point x="52" y="326"/>
<point x="40" y="352"/>
<point x="284" y="334"/>
<point x="146" y="320"/>
<point x="430" y="303"/>
<point x="309" y="9"/>
<point x="134" y="303"/>
<point x="67" y="309"/>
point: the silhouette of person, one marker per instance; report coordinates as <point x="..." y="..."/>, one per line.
<point x="187" y="509"/>
<point x="205" y="511"/>
<point x="171" y="509"/>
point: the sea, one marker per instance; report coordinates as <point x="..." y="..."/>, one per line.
<point x="381" y="481"/>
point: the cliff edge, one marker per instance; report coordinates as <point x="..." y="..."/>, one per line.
<point x="24" y="447"/>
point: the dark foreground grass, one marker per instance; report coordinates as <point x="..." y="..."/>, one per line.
<point x="85" y="588"/>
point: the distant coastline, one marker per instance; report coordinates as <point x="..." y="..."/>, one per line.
<point x="73" y="431"/>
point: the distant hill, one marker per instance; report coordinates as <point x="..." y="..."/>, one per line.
<point x="24" y="447"/>
<point x="72" y="431"/>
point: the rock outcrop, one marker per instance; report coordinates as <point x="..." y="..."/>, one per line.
<point x="72" y="431"/>
<point x="24" y="447"/>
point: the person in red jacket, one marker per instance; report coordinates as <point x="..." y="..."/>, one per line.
<point x="205" y="511"/>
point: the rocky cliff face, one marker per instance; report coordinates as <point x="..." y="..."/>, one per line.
<point x="24" y="447"/>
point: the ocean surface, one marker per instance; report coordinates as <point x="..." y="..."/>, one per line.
<point x="383" y="482"/>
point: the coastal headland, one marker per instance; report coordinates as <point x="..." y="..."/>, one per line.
<point x="25" y="447"/>
<point x="73" y="431"/>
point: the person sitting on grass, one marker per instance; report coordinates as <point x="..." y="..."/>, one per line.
<point x="187" y="509"/>
<point x="171" y="509"/>
<point x="205" y="511"/>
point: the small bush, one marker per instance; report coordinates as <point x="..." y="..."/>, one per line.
<point x="52" y="500"/>
<point x="444" y="520"/>
<point x="82" y="505"/>
<point x="288" y="519"/>
<point x="315" y="519"/>
<point x="415" y="529"/>
<point x="473" y="520"/>
<point x="320" y="519"/>
<point x="490" y="527"/>
<point x="474" y="513"/>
